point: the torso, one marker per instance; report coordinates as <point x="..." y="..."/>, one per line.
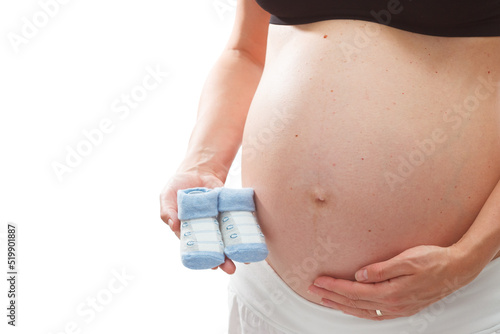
<point x="358" y="149"/>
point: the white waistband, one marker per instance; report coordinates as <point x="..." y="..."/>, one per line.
<point x="473" y="309"/>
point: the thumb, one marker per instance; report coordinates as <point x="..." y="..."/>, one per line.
<point x="382" y="271"/>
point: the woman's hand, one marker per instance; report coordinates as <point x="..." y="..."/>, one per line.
<point x="168" y="200"/>
<point x="401" y="286"/>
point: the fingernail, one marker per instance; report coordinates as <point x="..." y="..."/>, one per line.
<point x="362" y="275"/>
<point x="318" y="285"/>
<point x="170" y="223"/>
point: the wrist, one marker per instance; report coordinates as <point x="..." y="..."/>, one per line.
<point x="468" y="261"/>
<point x="200" y="167"/>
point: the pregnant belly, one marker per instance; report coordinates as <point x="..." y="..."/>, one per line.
<point x="354" y="160"/>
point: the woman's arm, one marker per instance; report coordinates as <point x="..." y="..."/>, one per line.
<point x="481" y="243"/>
<point x="228" y="92"/>
<point x="222" y="110"/>
<point x="420" y="276"/>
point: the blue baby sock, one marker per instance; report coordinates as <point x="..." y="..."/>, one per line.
<point x="201" y="241"/>
<point x="243" y="239"/>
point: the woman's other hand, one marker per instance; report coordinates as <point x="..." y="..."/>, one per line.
<point x="401" y="286"/>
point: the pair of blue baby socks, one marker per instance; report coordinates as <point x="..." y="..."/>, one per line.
<point x="219" y="221"/>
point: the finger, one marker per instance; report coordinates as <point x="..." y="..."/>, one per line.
<point x="354" y="290"/>
<point x="175" y="227"/>
<point x="342" y="300"/>
<point x="228" y="266"/>
<point x="168" y="208"/>
<point x="383" y="271"/>
<point x="370" y="314"/>
<point x="177" y="233"/>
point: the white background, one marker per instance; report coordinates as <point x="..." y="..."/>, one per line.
<point x="103" y="216"/>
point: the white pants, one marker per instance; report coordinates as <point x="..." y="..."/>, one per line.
<point x="261" y="303"/>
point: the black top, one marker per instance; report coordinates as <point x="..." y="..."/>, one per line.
<point x="453" y="18"/>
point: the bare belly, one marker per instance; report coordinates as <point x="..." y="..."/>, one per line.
<point x="359" y="149"/>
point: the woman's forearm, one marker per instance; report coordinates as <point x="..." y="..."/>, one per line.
<point x="482" y="241"/>
<point x="222" y="112"/>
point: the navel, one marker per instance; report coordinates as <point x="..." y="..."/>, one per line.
<point x="320" y="197"/>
